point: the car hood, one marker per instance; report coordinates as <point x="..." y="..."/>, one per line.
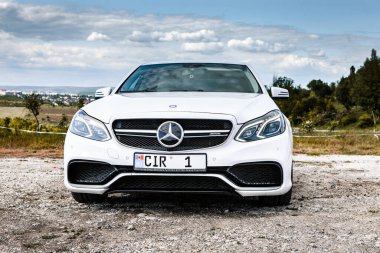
<point x="242" y="106"/>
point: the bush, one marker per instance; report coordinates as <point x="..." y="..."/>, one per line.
<point x="307" y="126"/>
<point x="20" y="123"/>
<point x="28" y="124"/>
<point x="333" y="125"/>
<point x="364" y="121"/>
<point x="318" y="118"/>
<point x="5" y="122"/>
<point x="348" y="119"/>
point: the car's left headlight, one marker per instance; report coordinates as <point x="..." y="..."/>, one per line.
<point x="269" y="125"/>
<point x="89" y="127"/>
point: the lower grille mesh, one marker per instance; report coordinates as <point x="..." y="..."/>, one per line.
<point x="189" y="183"/>
<point x="257" y="174"/>
<point x="89" y="172"/>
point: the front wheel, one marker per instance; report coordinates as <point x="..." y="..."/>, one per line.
<point x="88" y="198"/>
<point x="280" y="200"/>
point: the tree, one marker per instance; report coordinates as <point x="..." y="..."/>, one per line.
<point x="343" y="92"/>
<point x="286" y="83"/>
<point x="283" y="82"/>
<point x="366" y="89"/>
<point x="80" y="102"/>
<point x="63" y="122"/>
<point x="344" y="89"/>
<point x="33" y="103"/>
<point x="320" y="88"/>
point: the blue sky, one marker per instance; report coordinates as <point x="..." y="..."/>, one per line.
<point x="96" y="43"/>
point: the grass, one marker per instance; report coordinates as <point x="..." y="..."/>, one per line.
<point x="344" y="144"/>
<point x="13" y="112"/>
<point x="29" y="144"/>
<point x="55" y="113"/>
<point x="47" y="111"/>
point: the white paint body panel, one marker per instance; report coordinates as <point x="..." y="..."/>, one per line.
<point x="236" y="107"/>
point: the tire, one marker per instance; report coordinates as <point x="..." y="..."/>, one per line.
<point x="88" y="198"/>
<point x="280" y="200"/>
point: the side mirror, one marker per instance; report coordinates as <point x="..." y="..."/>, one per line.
<point x="103" y="92"/>
<point x="279" y="93"/>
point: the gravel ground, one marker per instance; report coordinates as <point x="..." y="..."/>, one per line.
<point x="335" y="208"/>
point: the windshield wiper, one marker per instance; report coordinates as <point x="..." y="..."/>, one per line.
<point x="197" y="90"/>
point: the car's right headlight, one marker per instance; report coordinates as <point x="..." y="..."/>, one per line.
<point x="269" y="125"/>
<point x="89" y="127"/>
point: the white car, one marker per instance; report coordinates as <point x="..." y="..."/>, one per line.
<point x="182" y="127"/>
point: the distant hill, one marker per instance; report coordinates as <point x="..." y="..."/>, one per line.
<point x="58" y="89"/>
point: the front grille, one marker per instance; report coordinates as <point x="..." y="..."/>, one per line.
<point x="89" y="172"/>
<point x="257" y="174"/>
<point x="198" y="133"/>
<point x="170" y="183"/>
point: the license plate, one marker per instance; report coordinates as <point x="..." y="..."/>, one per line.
<point x="161" y="162"/>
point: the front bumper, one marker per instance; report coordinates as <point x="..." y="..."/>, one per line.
<point x="276" y="150"/>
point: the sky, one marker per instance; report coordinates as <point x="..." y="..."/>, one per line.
<point x="97" y="43"/>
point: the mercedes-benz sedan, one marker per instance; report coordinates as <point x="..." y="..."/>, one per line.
<point x="182" y="127"/>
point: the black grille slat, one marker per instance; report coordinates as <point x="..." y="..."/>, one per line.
<point x="191" y="142"/>
<point x="187" y="144"/>
<point x="187" y="124"/>
<point x="174" y="183"/>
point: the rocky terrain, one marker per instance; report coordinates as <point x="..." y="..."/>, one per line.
<point x="335" y="208"/>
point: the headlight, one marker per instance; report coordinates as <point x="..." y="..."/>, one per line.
<point x="269" y="125"/>
<point x="89" y="127"/>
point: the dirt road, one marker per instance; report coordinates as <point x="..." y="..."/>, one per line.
<point x="335" y="208"/>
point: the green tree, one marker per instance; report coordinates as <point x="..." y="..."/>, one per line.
<point x="295" y="92"/>
<point x="344" y="89"/>
<point x="320" y="88"/>
<point x="63" y="122"/>
<point x="366" y="89"/>
<point x="81" y="101"/>
<point x="343" y="92"/>
<point x="283" y="82"/>
<point x="33" y="103"/>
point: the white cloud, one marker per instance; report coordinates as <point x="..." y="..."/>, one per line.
<point x="202" y="35"/>
<point x="317" y="53"/>
<point x="295" y="61"/>
<point x="249" y="44"/>
<point x="5" y="35"/>
<point x="203" y="47"/>
<point x="313" y="36"/>
<point x="95" y="36"/>
<point x="292" y="61"/>
<point x="5" y="4"/>
<point x="139" y="36"/>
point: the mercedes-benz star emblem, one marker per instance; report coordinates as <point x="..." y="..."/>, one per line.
<point x="170" y="134"/>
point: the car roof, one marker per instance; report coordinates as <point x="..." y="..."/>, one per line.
<point x="195" y="62"/>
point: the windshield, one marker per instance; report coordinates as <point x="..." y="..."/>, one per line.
<point x="177" y="77"/>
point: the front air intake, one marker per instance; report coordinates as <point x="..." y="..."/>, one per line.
<point x="263" y="174"/>
<point x="170" y="183"/>
<point x="90" y="172"/>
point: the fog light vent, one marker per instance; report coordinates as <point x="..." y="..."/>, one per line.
<point x="257" y="174"/>
<point x="89" y="172"/>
